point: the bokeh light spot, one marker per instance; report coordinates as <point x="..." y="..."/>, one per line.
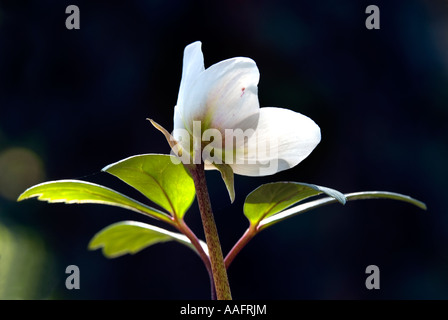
<point x="20" y="168"/>
<point x="27" y="266"/>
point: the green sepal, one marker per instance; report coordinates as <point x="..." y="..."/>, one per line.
<point x="227" y="176"/>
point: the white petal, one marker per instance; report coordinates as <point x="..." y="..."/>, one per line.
<point x="193" y="66"/>
<point x="224" y="96"/>
<point x="282" y="139"/>
<point x="178" y="119"/>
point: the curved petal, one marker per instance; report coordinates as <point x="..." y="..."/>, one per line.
<point x="178" y="119"/>
<point x="282" y="139"/>
<point x="224" y="96"/>
<point x="192" y="67"/>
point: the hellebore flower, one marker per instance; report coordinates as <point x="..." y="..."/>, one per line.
<point x="218" y="120"/>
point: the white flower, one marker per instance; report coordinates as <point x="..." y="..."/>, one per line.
<point x="218" y="119"/>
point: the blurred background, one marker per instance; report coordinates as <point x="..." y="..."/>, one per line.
<point x="74" y="101"/>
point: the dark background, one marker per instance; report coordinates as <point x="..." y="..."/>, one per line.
<point x="74" y="101"/>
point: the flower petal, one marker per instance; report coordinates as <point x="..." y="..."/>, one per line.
<point x="282" y="139"/>
<point x="224" y="96"/>
<point x="193" y="66"/>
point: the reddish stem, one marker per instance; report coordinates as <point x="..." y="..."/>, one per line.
<point x="245" y="238"/>
<point x="183" y="227"/>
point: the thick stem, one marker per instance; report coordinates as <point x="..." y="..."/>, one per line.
<point x="211" y="233"/>
<point x="182" y="226"/>
<point x="245" y="238"/>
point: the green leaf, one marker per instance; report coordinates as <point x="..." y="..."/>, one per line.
<point x="271" y="198"/>
<point x="76" y="191"/>
<point x="301" y="208"/>
<point x="131" y="237"/>
<point x="227" y="177"/>
<point x="158" y="178"/>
